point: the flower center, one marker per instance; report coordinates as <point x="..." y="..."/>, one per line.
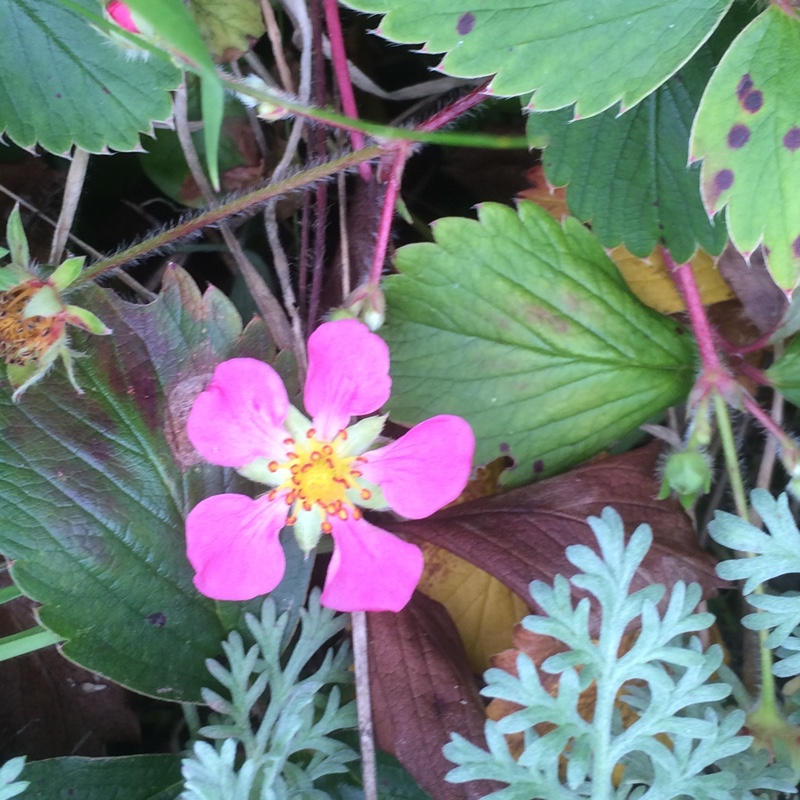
<point x="320" y="477"/>
<point x="23" y="339"/>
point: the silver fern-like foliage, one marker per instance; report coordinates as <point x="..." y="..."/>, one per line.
<point x="274" y="728"/>
<point x="681" y="743"/>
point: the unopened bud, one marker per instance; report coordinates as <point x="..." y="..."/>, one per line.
<point x="367" y="304"/>
<point x="688" y="475"/>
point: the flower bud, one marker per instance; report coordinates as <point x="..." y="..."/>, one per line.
<point x="121" y="14"/>
<point x="367" y="304"/>
<point x="688" y="474"/>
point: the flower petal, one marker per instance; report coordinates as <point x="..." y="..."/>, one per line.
<point x="370" y="570"/>
<point x="232" y="543"/>
<point x="121" y="14"/>
<point x="239" y="417"/>
<point x="348" y="375"/>
<point x="426" y="468"/>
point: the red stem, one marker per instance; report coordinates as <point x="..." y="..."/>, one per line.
<point x="387" y="212"/>
<point x="683" y="276"/>
<point x="766" y="420"/>
<point x="460" y="106"/>
<point x="402" y="150"/>
<point x="342" y="74"/>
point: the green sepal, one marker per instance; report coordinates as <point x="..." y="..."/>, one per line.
<point x="11" y="276"/>
<point x="361" y="435"/>
<point x="297" y="424"/>
<point x="23" y="377"/>
<point x="688" y="474"/>
<point x="377" y="501"/>
<point x="260" y="472"/>
<point x="66" y="273"/>
<point x="83" y="318"/>
<point x="45" y="303"/>
<point x="17" y="240"/>
<point x="308" y="528"/>
<point x="3" y="252"/>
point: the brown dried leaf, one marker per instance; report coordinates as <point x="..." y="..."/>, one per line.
<point x="422" y="689"/>
<point x="521" y="535"/>
<point x="764" y="301"/>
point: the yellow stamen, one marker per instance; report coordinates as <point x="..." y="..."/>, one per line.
<point x="319" y="477"/>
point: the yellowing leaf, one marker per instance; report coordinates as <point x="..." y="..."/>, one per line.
<point x="649" y="279"/>
<point x="483" y="609"/>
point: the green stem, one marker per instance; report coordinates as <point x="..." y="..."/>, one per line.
<point x="215" y="215"/>
<point x="767" y="701"/>
<point x="336" y="120"/>
<point x="9" y="593"/>
<point x="731" y="458"/>
<point x="26" y="642"/>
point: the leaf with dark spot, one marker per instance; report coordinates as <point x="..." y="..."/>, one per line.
<point x="756" y="87"/>
<point x="556" y="357"/>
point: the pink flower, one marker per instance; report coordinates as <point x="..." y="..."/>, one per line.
<point x="321" y="473"/>
<point x="121" y="14"/>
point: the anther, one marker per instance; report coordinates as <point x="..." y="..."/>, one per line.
<point x="272" y="466"/>
<point x="366" y="494"/>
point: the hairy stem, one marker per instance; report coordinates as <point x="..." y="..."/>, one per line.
<point x="221" y="212"/>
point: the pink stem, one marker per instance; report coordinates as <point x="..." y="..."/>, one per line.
<point x="402" y="151"/>
<point x="342" y="73"/>
<point x="737" y="350"/>
<point x="387" y="212"/>
<point x="455" y="109"/>
<point x="766" y="420"/>
<point x="755" y="374"/>
<point x="684" y="277"/>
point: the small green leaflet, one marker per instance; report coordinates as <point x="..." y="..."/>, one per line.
<point x="585" y="52"/>
<point x="747" y="131"/>
<point x="175" y="25"/>
<point x="627" y="174"/>
<point x="527" y="329"/>
<point x="785" y="372"/>
<point x="63" y="84"/>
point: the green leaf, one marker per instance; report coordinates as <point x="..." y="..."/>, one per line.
<point x="585" y="52"/>
<point x="627" y="173"/>
<point x="62" y="84"/>
<point x="230" y="28"/>
<point x="748" y="133"/>
<point x="147" y="777"/>
<point x="96" y="488"/>
<point x="529" y="332"/>
<point x="174" y="24"/>
<point x="16" y="239"/>
<point x="785" y="372"/>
